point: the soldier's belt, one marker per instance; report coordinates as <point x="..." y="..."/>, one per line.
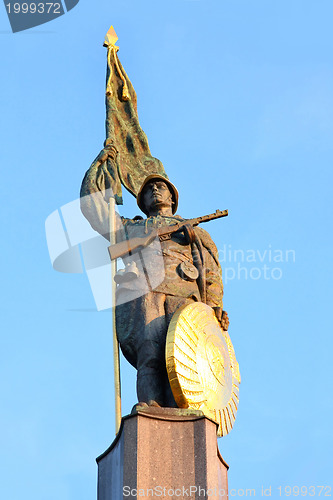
<point x="177" y="256"/>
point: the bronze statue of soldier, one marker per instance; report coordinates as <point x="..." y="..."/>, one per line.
<point x="154" y="284"/>
<point x="171" y="271"/>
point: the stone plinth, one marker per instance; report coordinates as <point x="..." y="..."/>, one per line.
<point x="163" y="453"/>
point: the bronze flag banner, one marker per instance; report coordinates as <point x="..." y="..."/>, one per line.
<point x="126" y="156"/>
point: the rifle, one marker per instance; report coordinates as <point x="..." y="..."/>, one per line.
<point x="164" y="233"/>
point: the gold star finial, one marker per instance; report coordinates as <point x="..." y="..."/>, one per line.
<point x="109" y="42"/>
<point x="110" y="37"/>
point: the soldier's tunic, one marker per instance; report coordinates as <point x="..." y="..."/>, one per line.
<point x="146" y="304"/>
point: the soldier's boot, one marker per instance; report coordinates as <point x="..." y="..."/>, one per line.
<point x="149" y="387"/>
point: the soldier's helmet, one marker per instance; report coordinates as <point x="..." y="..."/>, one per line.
<point x="172" y="188"/>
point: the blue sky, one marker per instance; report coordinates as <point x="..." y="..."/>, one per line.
<point x="236" y="100"/>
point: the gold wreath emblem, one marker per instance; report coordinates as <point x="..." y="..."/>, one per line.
<point x="201" y="365"/>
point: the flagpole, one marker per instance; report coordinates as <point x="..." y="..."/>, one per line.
<point x="116" y="361"/>
<point x="110" y="41"/>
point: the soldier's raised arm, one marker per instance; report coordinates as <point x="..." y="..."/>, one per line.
<point x="98" y="186"/>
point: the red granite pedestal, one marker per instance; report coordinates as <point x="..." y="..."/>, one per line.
<point x="163" y="453"/>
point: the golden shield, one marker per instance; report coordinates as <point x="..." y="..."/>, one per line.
<point x="201" y="365"/>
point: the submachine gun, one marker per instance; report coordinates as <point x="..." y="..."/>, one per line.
<point x="128" y="247"/>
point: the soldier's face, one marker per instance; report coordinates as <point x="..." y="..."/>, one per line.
<point x="156" y="194"/>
